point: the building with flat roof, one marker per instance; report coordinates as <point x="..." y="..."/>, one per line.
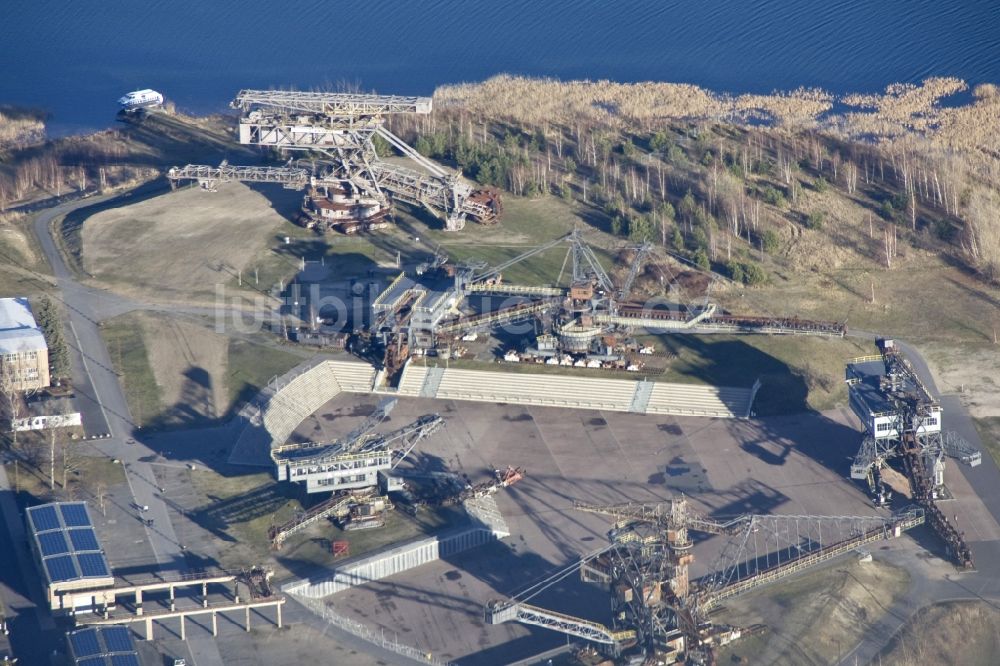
<point x="103" y="646"/>
<point x="24" y="356"/>
<point x="74" y="568"/>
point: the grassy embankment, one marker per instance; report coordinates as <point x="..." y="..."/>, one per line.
<point x="198" y="377"/>
<point x="23" y="269"/>
<point x="87" y="472"/>
<point x="966" y="633"/>
<point x="813" y="618"/>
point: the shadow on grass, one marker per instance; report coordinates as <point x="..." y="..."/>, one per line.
<point x="735" y="363"/>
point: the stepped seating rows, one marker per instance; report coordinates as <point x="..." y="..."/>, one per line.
<point x="352" y="376"/>
<point x="695" y="400"/>
<point x="412" y="380"/>
<point x="577" y="392"/>
<point x="543" y="390"/>
<point x="300" y="395"/>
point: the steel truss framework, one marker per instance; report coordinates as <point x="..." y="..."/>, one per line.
<point x="293" y="178"/>
<point x="646" y="569"/>
<point x="342" y="128"/>
<point x="910" y="409"/>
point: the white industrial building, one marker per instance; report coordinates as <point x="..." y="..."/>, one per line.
<point x="24" y="356"/>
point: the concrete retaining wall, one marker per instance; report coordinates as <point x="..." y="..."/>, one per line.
<point x="545" y="390"/>
<point x="390" y="562"/>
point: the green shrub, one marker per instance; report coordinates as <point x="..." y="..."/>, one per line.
<point x="700" y="259"/>
<point x="773" y="196"/>
<point x="753" y="274"/>
<point x="677" y="240"/>
<point x="616" y="225"/>
<point x="770" y="241"/>
<point x="814" y="220"/>
<point x="735" y="270"/>
<point x="748" y="273"/>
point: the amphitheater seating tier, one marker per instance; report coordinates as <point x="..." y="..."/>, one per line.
<point x="305" y="390"/>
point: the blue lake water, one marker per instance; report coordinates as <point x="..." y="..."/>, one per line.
<point x="76" y="58"/>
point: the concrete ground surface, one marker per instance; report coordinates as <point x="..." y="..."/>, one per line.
<point x="791" y="465"/>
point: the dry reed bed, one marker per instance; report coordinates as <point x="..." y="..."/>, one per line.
<point x="20" y="131"/>
<point x="903" y="110"/>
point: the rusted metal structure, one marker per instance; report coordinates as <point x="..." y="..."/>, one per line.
<point x="658" y="612"/>
<point x="349" y="186"/>
<point x="902" y="419"/>
<point x="355" y="460"/>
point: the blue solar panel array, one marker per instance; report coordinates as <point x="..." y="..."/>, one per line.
<point x="125" y="660"/>
<point x="75" y="514"/>
<point x="85" y="643"/>
<point x="92" y="564"/>
<point x="52" y="543"/>
<point x="84" y="539"/>
<point x="103" y="646"/>
<point x="66" y="541"/>
<point x="117" y="639"/>
<point x="60" y="567"/>
<point x="44" y="518"/>
<point x="92" y="661"/>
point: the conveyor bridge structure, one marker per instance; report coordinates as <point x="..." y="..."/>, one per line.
<point x="339" y="130"/>
<point x="655" y="609"/>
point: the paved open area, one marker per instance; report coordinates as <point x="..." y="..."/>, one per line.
<point x="792" y="465"/>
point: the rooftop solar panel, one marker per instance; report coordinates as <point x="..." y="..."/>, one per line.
<point x="84" y="643"/>
<point x="118" y="639"/>
<point x="75" y="515"/>
<point x="83" y="538"/>
<point x="92" y="661"/>
<point x="92" y="564"/>
<point x="44" y="518"/>
<point x="125" y="660"/>
<point x="52" y="543"/>
<point x="60" y="568"/>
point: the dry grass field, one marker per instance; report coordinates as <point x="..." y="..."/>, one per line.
<point x="22" y="270"/>
<point x="189" y="363"/>
<point x="966" y="633"/>
<point x="815" y="617"/>
<point x="179" y="372"/>
<point x="177" y="247"/>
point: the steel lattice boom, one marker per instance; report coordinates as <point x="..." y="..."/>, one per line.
<point x="655" y="608"/>
<point x="343" y="105"/>
<point x="209" y="177"/>
<point x="351" y="188"/>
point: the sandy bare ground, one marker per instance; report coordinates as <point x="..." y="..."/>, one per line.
<point x="966" y="633"/>
<point x="813" y="618"/>
<point x="178" y="246"/>
<point x="189" y="364"/>
<point x="973" y="373"/>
